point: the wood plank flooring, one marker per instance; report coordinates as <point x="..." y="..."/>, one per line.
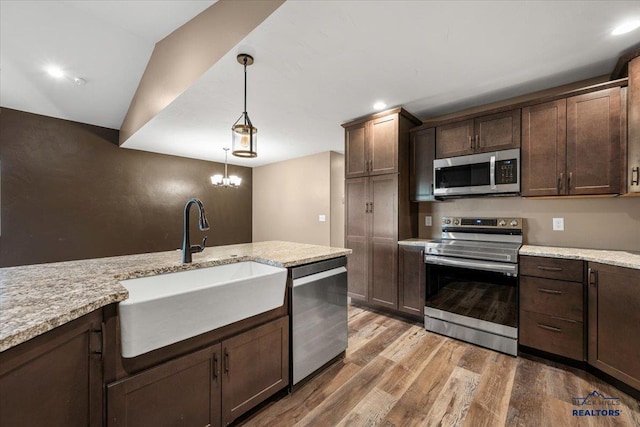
<point x="397" y="374"/>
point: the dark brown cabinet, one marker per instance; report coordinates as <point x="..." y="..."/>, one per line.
<point x="492" y="132"/>
<point x="633" y="128"/>
<point x="372" y="234"/>
<point x="255" y="366"/>
<point x="572" y="146"/>
<point x="372" y="147"/>
<point x="54" y="379"/>
<point x="614" y="298"/>
<point x="411" y="280"/>
<point x="211" y="387"/>
<point x="377" y="208"/>
<point x="552" y="306"/>
<point x="422" y="150"/>
<point x="184" y="391"/>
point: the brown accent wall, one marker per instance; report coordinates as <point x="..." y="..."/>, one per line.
<point x="69" y="192"/>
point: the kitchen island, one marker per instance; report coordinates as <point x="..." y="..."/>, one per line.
<point x="60" y="344"/>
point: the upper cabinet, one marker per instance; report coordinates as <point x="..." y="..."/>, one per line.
<point x="422" y="149"/>
<point x="633" y="127"/>
<point x="372" y="146"/>
<point x="572" y="146"/>
<point x="493" y="132"/>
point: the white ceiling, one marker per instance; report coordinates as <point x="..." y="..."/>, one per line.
<point x="318" y="64"/>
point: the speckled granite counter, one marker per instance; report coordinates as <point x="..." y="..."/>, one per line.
<point x="413" y="242"/>
<point x="37" y="298"/>
<point x="617" y="258"/>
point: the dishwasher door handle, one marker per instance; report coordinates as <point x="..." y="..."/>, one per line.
<point x="318" y="276"/>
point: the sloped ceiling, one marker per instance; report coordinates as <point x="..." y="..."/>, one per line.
<point x="318" y="64"/>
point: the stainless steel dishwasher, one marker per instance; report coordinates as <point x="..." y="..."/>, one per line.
<point x="319" y="316"/>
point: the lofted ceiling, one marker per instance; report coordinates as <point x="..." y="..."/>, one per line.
<point x="317" y="64"/>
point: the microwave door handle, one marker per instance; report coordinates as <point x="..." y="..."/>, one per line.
<point x="492" y="172"/>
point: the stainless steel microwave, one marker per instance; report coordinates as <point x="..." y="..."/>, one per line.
<point x="497" y="172"/>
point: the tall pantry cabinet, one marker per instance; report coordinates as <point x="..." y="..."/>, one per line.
<point x="377" y="208"/>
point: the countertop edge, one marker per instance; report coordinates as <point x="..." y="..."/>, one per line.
<point x="610" y="257"/>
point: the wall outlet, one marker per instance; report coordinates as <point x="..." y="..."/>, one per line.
<point x="322" y="218"/>
<point x="558" y="224"/>
<point x="428" y="221"/>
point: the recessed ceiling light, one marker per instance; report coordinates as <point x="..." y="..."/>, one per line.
<point x="55" y="72"/>
<point x="379" y="105"/>
<point x="625" y="27"/>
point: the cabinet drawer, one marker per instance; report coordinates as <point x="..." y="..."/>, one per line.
<point x="552" y="297"/>
<point x="552" y="268"/>
<point x="552" y="334"/>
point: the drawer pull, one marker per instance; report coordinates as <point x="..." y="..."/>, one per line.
<point x="549" y="291"/>
<point x="549" y="328"/>
<point x="545" y="268"/>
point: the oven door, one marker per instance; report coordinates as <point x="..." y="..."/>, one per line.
<point x="476" y="305"/>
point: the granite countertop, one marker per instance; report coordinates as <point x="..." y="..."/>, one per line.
<point x="37" y="298"/>
<point x="413" y="242"/>
<point x="626" y="259"/>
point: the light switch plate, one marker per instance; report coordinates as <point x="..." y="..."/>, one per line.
<point x="322" y="218"/>
<point x="428" y="221"/>
<point x="558" y="224"/>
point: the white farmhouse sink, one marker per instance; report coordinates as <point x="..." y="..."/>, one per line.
<point x="168" y="308"/>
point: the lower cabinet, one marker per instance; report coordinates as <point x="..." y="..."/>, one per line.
<point x="614" y="318"/>
<point x="552" y="306"/>
<point x="411" y="280"/>
<point x="210" y="387"/>
<point x="54" y="379"/>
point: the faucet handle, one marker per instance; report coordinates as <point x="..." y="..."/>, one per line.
<point x="204" y="244"/>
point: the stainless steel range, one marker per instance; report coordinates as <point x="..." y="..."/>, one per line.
<point x="472" y="281"/>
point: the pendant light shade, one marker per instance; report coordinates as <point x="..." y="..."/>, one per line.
<point x="244" y="135"/>
<point x="226" y="180"/>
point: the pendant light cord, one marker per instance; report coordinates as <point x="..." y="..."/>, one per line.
<point x="245" y="90"/>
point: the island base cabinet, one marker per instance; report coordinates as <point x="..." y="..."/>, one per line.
<point x="210" y="387"/>
<point x="54" y="379"/>
<point x="182" y="392"/>
<point x="614" y="344"/>
<point x="255" y="367"/>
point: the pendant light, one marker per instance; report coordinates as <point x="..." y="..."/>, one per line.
<point x="245" y="140"/>
<point x="226" y="180"/>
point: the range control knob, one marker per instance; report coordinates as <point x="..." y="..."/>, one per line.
<point x="446" y="221"/>
<point x="456" y="222"/>
<point x="513" y="223"/>
<point x="502" y="223"/>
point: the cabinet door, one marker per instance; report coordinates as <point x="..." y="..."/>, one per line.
<point x="181" y="392"/>
<point x="256" y="366"/>
<point x="383" y="145"/>
<point x="411" y="280"/>
<point x="633" y="124"/>
<point x="455" y="139"/>
<point x="54" y="379"/>
<point x="384" y="240"/>
<point x="421" y="151"/>
<point x="614" y="298"/>
<point x="355" y="151"/>
<point x="497" y="131"/>
<point x="544" y="146"/>
<point x="357" y="236"/>
<point x="593" y="142"/>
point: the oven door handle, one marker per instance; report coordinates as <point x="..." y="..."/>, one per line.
<point x="497" y="267"/>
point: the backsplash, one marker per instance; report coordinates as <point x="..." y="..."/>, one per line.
<point x="598" y="223"/>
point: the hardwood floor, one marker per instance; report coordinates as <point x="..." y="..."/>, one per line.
<point x="397" y="374"/>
